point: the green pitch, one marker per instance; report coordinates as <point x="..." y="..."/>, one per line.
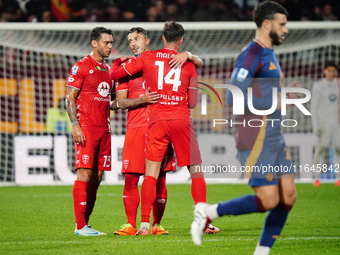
<point x="39" y="220"/>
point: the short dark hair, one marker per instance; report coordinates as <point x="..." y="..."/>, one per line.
<point x="173" y="31"/>
<point x="329" y="63"/>
<point x="138" y="30"/>
<point x="97" y="32"/>
<point x="267" y="10"/>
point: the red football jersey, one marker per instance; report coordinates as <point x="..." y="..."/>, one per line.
<point x="93" y="101"/>
<point x="135" y="86"/>
<point x="171" y="84"/>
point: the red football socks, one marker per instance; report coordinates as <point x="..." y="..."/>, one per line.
<point x="160" y="201"/>
<point x="148" y="193"/>
<point x="198" y="188"/>
<point x="79" y="202"/>
<point x="131" y="197"/>
<point x="91" y="191"/>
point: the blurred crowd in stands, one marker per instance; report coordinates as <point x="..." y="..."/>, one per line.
<point x="156" y="10"/>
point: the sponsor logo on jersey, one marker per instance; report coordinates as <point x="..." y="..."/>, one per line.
<point x="85" y="159"/>
<point x="74" y="70"/>
<point x="103" y="89"/>
<point x="91" y="71"/>
<point x="125" y="163"/>
<point x="272" y="66"/>
<point x="70" y="79"/>
<point x="332" y="97"/>
<point x="242" y="74"/>
<point x="82" y="203"/>
<point x="100" y="68"/>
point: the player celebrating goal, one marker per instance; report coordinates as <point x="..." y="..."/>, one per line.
<point x="169" y="118"/>
<point x="88" y="95"/>
<point x="275" y="192"/>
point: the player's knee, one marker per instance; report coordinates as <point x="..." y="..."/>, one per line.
<point x="270" y="202"/>
<point x="100" y="178"/>
<point x="290" y="198"/>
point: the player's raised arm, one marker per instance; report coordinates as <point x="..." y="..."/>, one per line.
<point x="135" y="66"/>
<point x="179" y="59"/>
<point x="117" y="70"/>
<point x="77" y="132"/>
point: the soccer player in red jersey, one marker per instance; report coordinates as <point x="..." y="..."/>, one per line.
<point x="169" y="118"/>
<point x="132" y="95"/>
<point x="88" y="96"/>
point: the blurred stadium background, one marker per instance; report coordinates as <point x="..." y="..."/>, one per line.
<point x="35" y="59"/>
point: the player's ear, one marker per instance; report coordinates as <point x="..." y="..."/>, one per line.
<point x="180" y="41"/>
<point x="266" y="24"/>
<point x="147" y="41"/>
<point x="164" y="41"/>
<point x="94" y="44"/>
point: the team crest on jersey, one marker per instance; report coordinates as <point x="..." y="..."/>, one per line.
<point x="242" y="74"/>
<point x="85" y="159"/>
<point x="270" y="177"/>
<point x="125" y="163"/>
<point x="74" y="70"/>
<point x="103" y="89"/>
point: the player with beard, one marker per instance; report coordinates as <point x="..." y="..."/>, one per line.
<point x="88" y="96"/>
<point x="257" y="67"/>
<point x="132" y="95"/>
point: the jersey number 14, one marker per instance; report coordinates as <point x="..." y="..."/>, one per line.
<point x="175" y="73"/>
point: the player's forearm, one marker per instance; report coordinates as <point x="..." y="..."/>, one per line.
<point x="130" y="103"/>
<point x="72" y="111"/>
<point x="196" y="61"/>
<point x="114" y="105"/>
